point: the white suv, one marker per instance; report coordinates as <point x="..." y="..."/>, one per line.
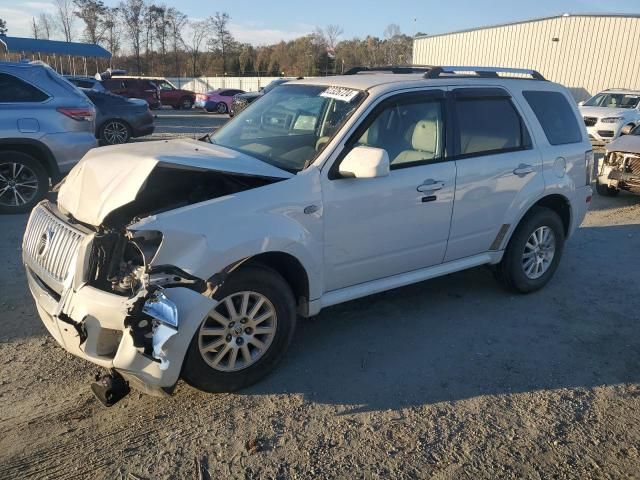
<point x="610" y="114"/>
<point x="193" y="259"/>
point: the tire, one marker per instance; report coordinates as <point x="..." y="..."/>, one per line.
<point x="221" y="108"/>
<point x="511" y="270"/>
<point x="115" y="132"/>
<point x="186" y="103"/>
<point x="261" y="281"/>
<point x="24" y="182"/>
<point x="606" y="190"/>
<point x="626" y="130"/>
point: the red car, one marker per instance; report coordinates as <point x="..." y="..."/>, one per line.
<point x="173" y="96"/>
<point x="131" y="87"/>
<point x="217" y="100"/>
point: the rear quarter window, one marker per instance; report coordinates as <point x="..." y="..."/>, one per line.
<point x="556" y="116"/>
<point x="14" y="90"/>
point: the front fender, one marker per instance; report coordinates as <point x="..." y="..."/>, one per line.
<point x="203" y="239"/>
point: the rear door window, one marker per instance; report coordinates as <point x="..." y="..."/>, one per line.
<point x="488" y="123"/>
<point x="556" y="116"/>
<point x="14" y="90"/>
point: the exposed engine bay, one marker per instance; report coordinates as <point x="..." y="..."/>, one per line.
<point x="621" y="171"/>
<point x="120" y="258"/>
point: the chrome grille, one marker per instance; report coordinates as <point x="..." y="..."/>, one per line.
<point x="50" y="244"/>
<point x="633" y="164"/>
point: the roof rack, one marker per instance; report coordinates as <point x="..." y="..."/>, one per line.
<point x="400" y="69"/>
<point x="485" y="72"/>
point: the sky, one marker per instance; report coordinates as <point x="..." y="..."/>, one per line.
<point x="266" y="22"/>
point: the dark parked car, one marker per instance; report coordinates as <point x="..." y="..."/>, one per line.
<point x="118" y="119"/>
<point x="242" y="100"/>
<point x="85" y="82"/>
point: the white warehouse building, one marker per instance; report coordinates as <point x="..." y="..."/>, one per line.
<point x="586" y="53"/>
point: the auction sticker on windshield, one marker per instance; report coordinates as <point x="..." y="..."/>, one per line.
<point x="340" y="93"/>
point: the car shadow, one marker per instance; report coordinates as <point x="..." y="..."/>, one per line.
<point x="624" y="199"/>
<point x="462" y="336"/>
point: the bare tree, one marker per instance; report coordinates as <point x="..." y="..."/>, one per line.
<point x="34" y="28"/>
<point x="91" y="12"/>
<point x="222" y="38"/>
<point x="46" y="24"/>
<point x="112" y="28"/>
<point x="177" y="21"/>
<point x="65" y="14"/>
<point x="198" y="35"/>
<point x="331" y="34"/>
<point x="132" y="13"/>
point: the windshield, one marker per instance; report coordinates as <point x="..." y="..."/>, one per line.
<point x="290" y="125"/>
<point x="614" y="100"/>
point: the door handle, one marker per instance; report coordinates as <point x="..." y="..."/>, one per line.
<point x="523" y="170"/>
<point x="430" y="185"/>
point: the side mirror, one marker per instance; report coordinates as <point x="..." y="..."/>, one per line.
<point x="365" y="162"/>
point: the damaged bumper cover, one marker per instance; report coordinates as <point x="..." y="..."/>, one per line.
<point x="621" y="171"/>
<point x="144" y="338"/>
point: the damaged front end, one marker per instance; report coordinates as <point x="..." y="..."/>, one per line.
<point x="90" y="262"/>
<point x="100" y="300"/>
<point x="620" y="171"/>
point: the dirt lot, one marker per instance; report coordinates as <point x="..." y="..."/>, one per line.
<point x="451" y="378"/>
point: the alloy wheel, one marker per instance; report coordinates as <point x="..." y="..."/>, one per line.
<point x="539" y="252"/>
<point x="238" y="331"/>
<point x="18" y="184"/>
<point x="221" y="108"/>
<point x="115" y="133"/>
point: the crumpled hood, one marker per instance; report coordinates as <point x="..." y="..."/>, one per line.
<point x="625" y="143"/>
<point x="109" y="177"/>
<point x="603" y="112"/>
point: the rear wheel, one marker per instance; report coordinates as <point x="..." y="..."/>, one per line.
<point x="23" y="182"/>
<point x="533" y="253"/>
<point x="221" y="108"/>
<point x="186" y="103"/>
<point x="115" y="132"/>
<point x="245" y="335"/>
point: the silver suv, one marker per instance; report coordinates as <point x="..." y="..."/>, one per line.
<point x="46" y="127"/>
<point x="193" y="259"/>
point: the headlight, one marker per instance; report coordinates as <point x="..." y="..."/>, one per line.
<point x="611" y="120"/>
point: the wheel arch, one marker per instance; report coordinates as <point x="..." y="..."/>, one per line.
<point x="291" y="269"/>
<point x="556" y="202"/>
<point x="36" y="149"/>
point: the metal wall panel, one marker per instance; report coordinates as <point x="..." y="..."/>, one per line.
<point x="592" y="53"/>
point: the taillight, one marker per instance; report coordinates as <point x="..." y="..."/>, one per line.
<point x="589" y="166"/>
<point x="79" y="114"/>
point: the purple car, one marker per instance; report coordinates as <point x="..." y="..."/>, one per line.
<point x="218" y="100"/>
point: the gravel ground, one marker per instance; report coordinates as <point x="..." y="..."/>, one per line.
<point x="447" y="379"/>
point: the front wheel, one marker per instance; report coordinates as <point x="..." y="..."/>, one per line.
<point x="245" y="335"/>
<point x="533" y="253"/>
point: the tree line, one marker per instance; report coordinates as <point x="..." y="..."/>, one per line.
<point x="149" y="38"/>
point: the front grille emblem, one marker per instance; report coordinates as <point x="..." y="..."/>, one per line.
<point x="44" y="243"/>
